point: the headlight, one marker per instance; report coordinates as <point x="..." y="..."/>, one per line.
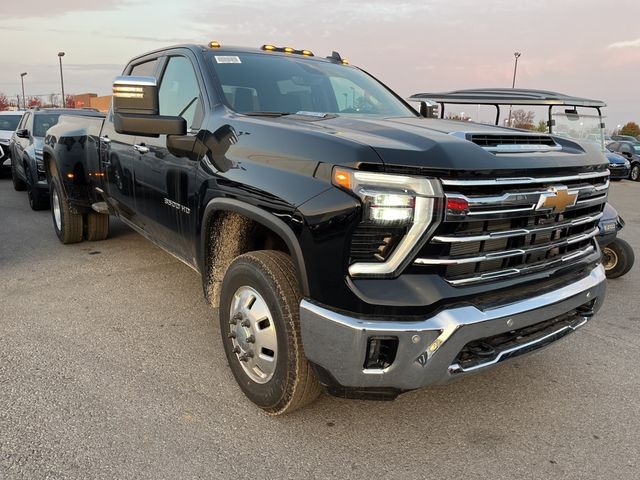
<point x="394" y="205"/>
<point x="627" y="164"/>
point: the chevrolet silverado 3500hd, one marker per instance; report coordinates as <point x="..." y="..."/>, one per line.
<point x="349" y="243"/>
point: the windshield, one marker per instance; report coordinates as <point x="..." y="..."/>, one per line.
<point x="43" y="122"/>
<point x="583" y="124"/>
<point x="9" y="122"/>
<point x="255" y="82"/>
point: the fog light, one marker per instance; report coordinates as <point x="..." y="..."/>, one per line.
<point x="381" y="352"/>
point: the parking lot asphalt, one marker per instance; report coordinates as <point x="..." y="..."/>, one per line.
<point x="111" y="366"/>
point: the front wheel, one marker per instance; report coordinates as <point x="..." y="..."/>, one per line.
<point x="617" y="258"/>
<point x="18" y="183"/>
<point x="67" y="224"/>
<point x="36" y="201"/>
<point x="635" y="173"/>
<point x="259" y="323"/>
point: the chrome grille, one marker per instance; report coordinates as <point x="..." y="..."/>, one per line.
<point x="506" y="230"/>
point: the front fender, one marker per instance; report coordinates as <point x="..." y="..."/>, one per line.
<point x="262" y="217"/>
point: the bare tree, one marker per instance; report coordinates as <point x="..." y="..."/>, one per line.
<point x="523" y="119"/>
<point x="4" y="102"/>
<point x="33" y="102"/>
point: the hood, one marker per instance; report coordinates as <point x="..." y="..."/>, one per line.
<point x="615" y="159"/>
<point x="5" y="135"/>
<point x="441" y="144"/>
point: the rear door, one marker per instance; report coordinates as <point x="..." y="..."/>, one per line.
<point x="165" y="188"/>
<point x="117" y="156"/>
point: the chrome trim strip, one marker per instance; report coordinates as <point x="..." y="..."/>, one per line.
<point x="523" y="180"/>
<point x="507" y="253"/>
<point x="515" y="233"/>
<point x="540" y="342"/>
<point x="135" y="80"/>
<point x="521" y="148"/>
<point x="517" y="271"/>
<point x="519" y="197"/>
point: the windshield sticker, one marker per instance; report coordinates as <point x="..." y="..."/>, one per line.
<point x="227" y="59"/>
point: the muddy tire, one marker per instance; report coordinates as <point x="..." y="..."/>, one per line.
<point x="67" y="224"/>
<point x="617" y="258"/>
<point x="97" y="226"/>
<point x="259" y="323"/>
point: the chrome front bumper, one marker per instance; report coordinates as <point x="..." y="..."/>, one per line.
<point x="428" y="348"/>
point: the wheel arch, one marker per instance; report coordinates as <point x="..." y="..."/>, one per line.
<point x="247" y="218"/>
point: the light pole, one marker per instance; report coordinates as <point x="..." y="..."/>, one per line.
<point x="60" y="55"/>
<point x="513" y="83"/>
<point x="24" y="100"/>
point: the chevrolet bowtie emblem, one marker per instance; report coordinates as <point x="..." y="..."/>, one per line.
<point x="557" y="199"/>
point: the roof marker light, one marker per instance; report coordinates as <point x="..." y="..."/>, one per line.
<point x="214" y="44"/>
<point x="268" y="47"/>
<point x="289" y="50"/>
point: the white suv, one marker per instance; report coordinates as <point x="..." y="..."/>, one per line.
<point x="8" y="123"/>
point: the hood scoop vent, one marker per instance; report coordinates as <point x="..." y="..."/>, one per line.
<point x="513" y="143"/>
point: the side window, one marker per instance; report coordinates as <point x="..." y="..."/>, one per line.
<point x="146" y="69"/>
<point x="179" y="94"/>
<point x="23" y="122"/>
<point x="624" y="148"/>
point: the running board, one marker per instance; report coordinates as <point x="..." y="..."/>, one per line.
<point x="101" y="207"/>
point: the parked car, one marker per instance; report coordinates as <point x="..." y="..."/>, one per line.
<point x="624" y="138"/>
<point x="619" y="166"/>
<point x="617" y="255"/>
<point x="347" y="241"/>
<point x="27" y="170"/>
<point x="9" y="121"/>
<point x="630" y="151"/>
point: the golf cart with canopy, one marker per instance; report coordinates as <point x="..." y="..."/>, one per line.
<point x="566" y="116"/>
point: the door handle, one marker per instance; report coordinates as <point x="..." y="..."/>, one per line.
<point x="141" y="148"/>
<point x="105" y="139"/>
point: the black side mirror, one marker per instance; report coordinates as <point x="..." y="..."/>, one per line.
<point x="136" y="110"/>
<point x="22" y="133"/>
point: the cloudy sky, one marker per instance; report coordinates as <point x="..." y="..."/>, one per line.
<point x="587" y="48"/>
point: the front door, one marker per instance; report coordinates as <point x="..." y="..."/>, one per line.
<point x="164" y="186"/>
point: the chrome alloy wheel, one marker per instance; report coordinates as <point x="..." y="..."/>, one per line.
<point x="253" y="334"/>
<point x="56" y="208"/>
<point x="609" y="258"/>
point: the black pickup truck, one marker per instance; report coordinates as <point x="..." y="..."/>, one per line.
<point x="349" y="243"/>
